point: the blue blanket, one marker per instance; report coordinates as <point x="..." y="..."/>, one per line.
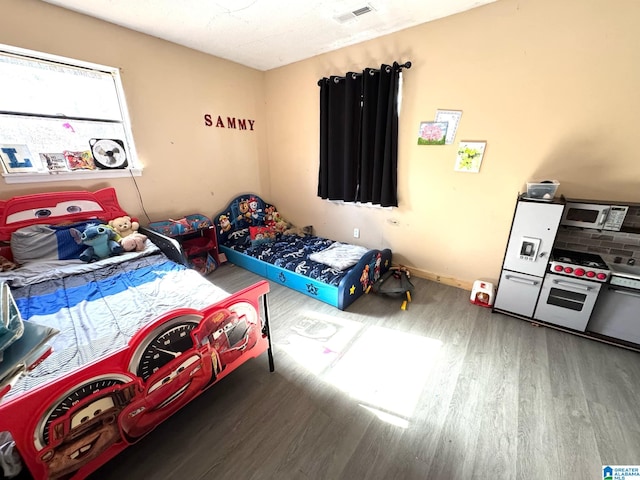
<point x="292" y="253"/>
<point x="98" y="311"/>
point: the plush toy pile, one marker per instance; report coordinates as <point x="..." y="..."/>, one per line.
<point x="102" y="241"/>
<point x="280" y="225"/>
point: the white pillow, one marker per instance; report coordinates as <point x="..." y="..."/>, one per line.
<point x="339" y="256"/>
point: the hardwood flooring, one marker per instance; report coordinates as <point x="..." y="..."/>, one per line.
<point x="444" y="390"/>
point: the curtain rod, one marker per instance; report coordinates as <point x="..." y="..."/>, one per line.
<point x="354" y="75"/>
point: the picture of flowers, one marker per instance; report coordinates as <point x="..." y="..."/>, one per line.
<point x="469" y="156"/>
<point x="432" y="133"/>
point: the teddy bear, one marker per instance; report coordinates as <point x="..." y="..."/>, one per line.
<point x="123" y="226"/>
<point x="128" y="235"/>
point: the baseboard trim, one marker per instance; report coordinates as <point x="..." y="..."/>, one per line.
<point x="434" y="277"/>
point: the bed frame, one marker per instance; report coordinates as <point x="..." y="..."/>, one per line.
<point x="352" y="286"/>
<point x="134" y="407"/>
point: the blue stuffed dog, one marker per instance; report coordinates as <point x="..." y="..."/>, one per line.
<point x="100" y="240"/>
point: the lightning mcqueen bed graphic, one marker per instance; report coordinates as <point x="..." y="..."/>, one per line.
<point x="140" y="336"/>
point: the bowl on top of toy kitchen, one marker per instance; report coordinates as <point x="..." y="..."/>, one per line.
<point x="543" y="191"/>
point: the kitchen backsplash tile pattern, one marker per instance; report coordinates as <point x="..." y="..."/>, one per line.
<point x="608" y="244"/>
<point x="632" y="219"/>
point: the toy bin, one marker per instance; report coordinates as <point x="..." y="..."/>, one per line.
<point x="544" y="190"/>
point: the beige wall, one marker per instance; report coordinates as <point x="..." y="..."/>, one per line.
<point x="553" y="87"/>
<point x="188" y="167"/>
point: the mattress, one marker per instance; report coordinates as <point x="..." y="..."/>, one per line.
<point x="290" y="252"/>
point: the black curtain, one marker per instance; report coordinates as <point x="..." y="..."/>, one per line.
<point x="359" y="136"/>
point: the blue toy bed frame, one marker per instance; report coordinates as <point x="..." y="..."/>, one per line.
<point x="357" y="279"/>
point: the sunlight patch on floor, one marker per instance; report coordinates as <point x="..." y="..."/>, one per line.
<point x="388" y="417"/>
<point x="318" y="340"/>
<point x="385" y="370"/>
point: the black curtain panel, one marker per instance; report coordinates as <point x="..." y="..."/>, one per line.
<point x="340" y="119"/>
<point x="359" y="136"/>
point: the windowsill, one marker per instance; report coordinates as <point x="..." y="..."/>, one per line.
<point x="358" y="204"/>
<point x="76" y="175"/>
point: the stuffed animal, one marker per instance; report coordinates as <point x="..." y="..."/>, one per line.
<point x="133" y="242"/>
<point x="299" y="231"/>
<point x="123" y="226"/>
<point x="100" y="240"/>
<point x="6" y="264"/>
<point x="280" y="225"/>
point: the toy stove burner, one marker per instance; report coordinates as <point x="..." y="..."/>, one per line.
<point x="588" y="266"/>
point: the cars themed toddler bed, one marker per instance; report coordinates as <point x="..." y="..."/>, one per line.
<point x="140" y="336"/>
<point x="253" y="234"/>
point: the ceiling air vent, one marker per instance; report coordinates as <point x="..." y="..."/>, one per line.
<point x="362" y="11"/>
<point x="345" y="17"/>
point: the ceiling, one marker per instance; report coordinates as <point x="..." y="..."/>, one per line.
<point x="266" y="34"/>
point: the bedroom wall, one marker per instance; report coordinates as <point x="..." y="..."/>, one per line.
<point x="188" y="167"/>
<point x="551" y="86"/>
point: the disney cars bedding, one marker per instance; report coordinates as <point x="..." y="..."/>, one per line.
<point x="252" y="234"/>
<point x="140" y="336"/>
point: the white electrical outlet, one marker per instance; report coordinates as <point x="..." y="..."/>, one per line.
<point x="356" y="233"/>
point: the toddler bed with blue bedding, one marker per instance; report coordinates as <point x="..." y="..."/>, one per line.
<point x="252" y="234"/>
<point x="138" y="335"/>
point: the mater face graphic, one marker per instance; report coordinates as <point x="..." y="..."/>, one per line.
<point x="82" y="425"/>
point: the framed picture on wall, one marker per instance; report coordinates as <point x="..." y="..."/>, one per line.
<point x="16" y="158"/>
<point x="432" y="133"/>
<point x="452" y="118"/>
<point x="469" y="156"/>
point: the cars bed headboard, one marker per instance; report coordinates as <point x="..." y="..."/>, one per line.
<point x="56" y="208"/>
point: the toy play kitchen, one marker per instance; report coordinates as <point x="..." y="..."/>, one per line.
<point x="570" y="288"/>
<point x="533" y="232"/>
<point x="554" y="272"/>
<point x="616" y="313"/>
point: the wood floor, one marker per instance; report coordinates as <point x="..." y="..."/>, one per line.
<point x="445" y="390"/>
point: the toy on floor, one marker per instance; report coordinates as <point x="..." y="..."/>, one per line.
<point x="396" y="282"/>
<point x="482" y="293"/>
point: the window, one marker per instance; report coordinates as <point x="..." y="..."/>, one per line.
<point x="62" y="119"/>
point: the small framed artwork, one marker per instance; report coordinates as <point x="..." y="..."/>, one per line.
<point x="432" y="133"/>
<point x="452" y="117"/>
<point x="79" y="160"/>
<point x="17" y="159"/>
<point x="55" y="162"/>
<point x="469" y="156"/>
